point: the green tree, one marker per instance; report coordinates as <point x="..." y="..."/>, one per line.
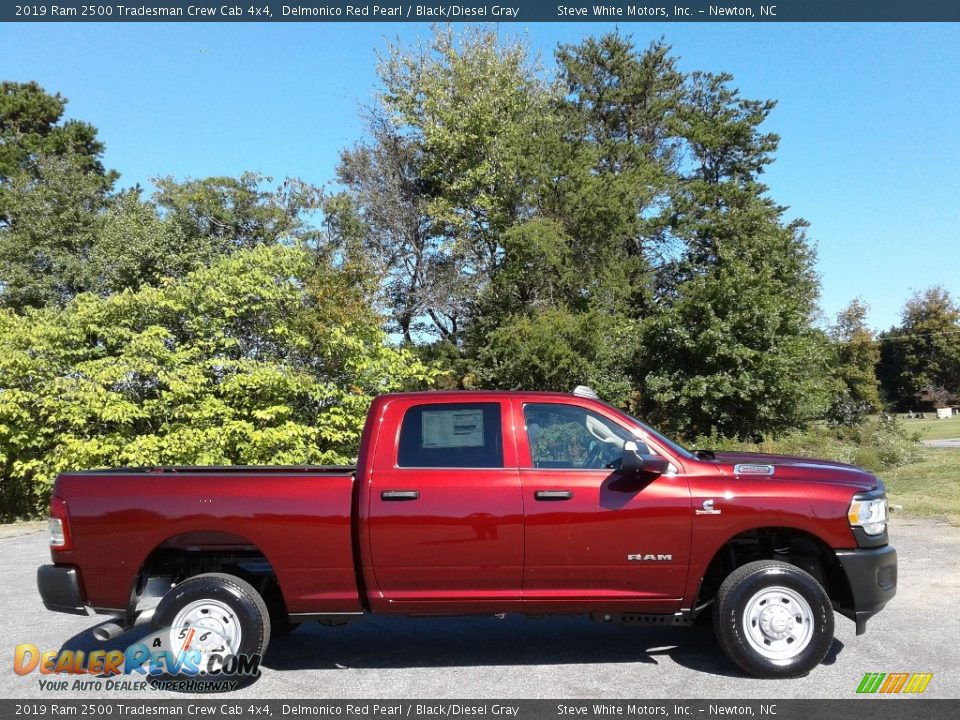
<point x="383" y="211"/>
<point x="599" y="187"/>
<point x="857" y="355"/>
<point x="224" y="214"/>
<point x="134" y="246"/>
<point x="585" y="257"/>
<point x="535" y="329"/>
<point x="730" y="350"/>
<point x="52" y="189"/>
<point x="610" y="180"/>
<point x="32" y="127"/>
<point x="54" y="214"/>
<point x="264" y="357"/>
<point x="473" y="107"/>
<point x="66" y="236"/>
<point x="732" y="354"/>
<point x="920" y="359"/>
<point x="612" y="225"/>
<point x="557" y="349"/>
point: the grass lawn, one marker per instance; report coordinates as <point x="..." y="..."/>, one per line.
<point x="933" y="429"/>
<point x="929" y="487"/>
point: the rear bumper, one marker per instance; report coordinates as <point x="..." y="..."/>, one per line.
<point x="872" y="576"/>
<point x="59" y="587"/>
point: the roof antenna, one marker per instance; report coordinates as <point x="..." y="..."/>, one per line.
<point x="585" y="392"/>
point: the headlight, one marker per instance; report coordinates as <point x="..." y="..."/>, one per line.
<point x="869" y="514"/>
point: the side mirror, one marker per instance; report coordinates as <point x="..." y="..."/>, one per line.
<point x="634" y="463"/>
<point x="631" y="462"/>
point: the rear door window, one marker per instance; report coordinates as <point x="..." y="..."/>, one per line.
<point x="454" y="435"/>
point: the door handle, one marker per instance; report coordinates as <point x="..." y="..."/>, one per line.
<point x="553" y="494"/>
<point x="400" y="495"/>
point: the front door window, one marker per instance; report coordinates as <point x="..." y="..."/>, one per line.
<point x="573" y="438"/>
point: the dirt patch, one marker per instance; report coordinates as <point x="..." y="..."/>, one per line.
<point x="24" y="527"/>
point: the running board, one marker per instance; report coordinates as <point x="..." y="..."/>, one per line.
<point x="684" y="617"/>
<point x="328" y="619"/>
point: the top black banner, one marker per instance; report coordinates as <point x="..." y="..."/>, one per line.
<point x="471" y="11"/>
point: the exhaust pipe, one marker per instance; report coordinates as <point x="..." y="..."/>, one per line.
<point x="108" y="631"/>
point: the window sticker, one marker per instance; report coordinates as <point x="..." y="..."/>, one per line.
<point x="452" y="428"/>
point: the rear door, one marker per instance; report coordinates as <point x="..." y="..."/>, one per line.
<point x="591" y="536"/>
<point x="445" y="515"/>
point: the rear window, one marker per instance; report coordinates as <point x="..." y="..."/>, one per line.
<point x="457" y="435"/>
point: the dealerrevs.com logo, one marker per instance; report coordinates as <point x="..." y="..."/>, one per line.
<point x="894" y="683"/>
<point x="196" y="663"/>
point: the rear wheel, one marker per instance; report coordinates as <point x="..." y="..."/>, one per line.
<point x="773" y="619"/>
<point x="213" y="617"/>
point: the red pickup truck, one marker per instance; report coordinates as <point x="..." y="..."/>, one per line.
<point x="485" y="502"/>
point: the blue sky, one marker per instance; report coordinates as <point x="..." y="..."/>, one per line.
<point x="869" y="117"/>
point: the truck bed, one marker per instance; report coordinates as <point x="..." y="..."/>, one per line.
<point x="298" y="518"/>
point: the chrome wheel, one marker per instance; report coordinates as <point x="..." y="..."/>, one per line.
<point x="207" y="626"/>
<point x="778" y="623"/>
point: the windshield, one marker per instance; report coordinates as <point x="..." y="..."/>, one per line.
<point x="661" y="439"/>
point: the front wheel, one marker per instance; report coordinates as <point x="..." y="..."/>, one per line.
<point x="773" y="619"/>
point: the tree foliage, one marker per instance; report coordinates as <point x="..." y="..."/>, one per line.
<point x="610" y="177"/>
<point x="54" y="214"/>
<point x="52" y="189"/>
<point x="557" y="349"/>
<point x="66" y="236"/>
<point x="732" y="353"/>
<point x="730" y="348"/>
<point x="471" y="107"/>
<point x="857" y="355"/>
<point x="32" y="127"/>
<point x="219" y="215"/>
<point x="472" y="103"/>
<point x="920" y="359"/>
<point x="603" y="224"/>
<point x="262" y="358"/>
<point x="607" y="225"/>
<point x="383" y="212"/>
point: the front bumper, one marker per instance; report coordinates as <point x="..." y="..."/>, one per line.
<point x="872" y="576"/>
<point x="59" y="587"/>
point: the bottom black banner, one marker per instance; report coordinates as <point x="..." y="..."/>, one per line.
<point x="874" y="708"/>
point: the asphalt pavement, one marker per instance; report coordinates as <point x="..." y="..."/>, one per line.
<point x="945" y="443"/>
<point x="515" y="657"/>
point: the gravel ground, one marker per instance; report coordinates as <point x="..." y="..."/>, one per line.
<point x="561" y="657"/>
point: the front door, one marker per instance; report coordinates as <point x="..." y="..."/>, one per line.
<point x="591" y="536"/>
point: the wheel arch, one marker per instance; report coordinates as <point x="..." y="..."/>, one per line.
<point x="196" y="552"/>
<point x="793" y="545"/>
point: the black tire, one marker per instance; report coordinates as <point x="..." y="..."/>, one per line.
<point x="229" y="602"/>
<point x="765" y="611"/>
